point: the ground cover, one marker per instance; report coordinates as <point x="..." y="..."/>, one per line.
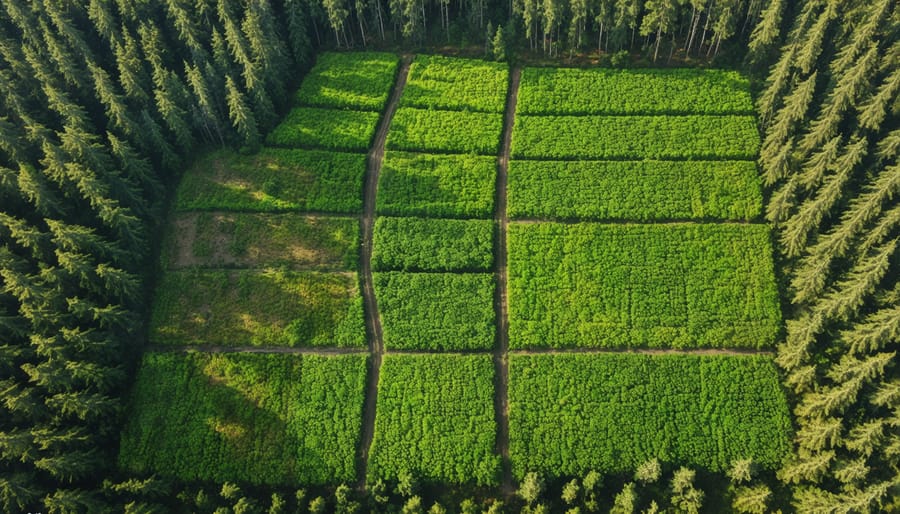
<point x="237" y="308"/>
<point x="274" y="179"/>
<point x="437" y="185"/>
<point x="435" y="419"/>
<point x="571" y="413"/>
<point x="351" y="80"/>
<point x="639" y="91"/>
<point x="331" y="129"/>
<point x="451" y="83"/>
<point x="257" y="418"/>
<point x="658" y="286"/>
<point x="432" y="244"/>
<point x="436" y="311"/>
<point x="634" y="190"/>
<point x="445" y="131"/>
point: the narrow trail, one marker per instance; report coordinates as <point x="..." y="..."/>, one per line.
<point x="644" y="351"/>
<point x="373" y="319"/>
<point x="213" y="348"/>
<point x="501" y="305"/>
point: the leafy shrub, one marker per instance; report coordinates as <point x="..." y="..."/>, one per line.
<point x="445" y="131"/>
<point x="423" y="244"/>
<point x="309" y="127"/>
<point x="437" y="82"/>
<point x="357" y="80"/>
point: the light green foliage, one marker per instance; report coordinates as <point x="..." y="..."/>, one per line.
<point x="354" y="80"/>
<point x="657" y="286"/>
<point x="274" y="180"/>
<point x="641" y="91"/>
<point x="247" y="240"/>
<point x="429" y="244"/>
<point x="570" y="413"/>
<point x="330" y="129"/>
<point x="634" y="190"/>
<point x="259" y="308"/>
<point x="436" y="311"/>
<point x="436" y="419"/>
<point x="437" y="82"/>
<point x="635" y="137"/>
<point x="257" y="418"/>
<point x="437" y="185"/>
<point x="445" y="131"/>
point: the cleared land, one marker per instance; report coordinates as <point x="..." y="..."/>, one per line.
<point x="449" y="83"/>
<point x="350" y="80"/>
<point x="429" y="244"/>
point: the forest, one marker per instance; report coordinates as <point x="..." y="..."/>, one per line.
<point x="115" y="114"/>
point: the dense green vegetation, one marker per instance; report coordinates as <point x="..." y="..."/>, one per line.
<point x="436" y="185"/>
<point x="658" y="286"/>
<point x="332" y="129"/>
<point x="237" y="308"/>
<point x="448" y="83"/>
<point x="349" y="80"/>
<point x="634" y="190"/>
<point x="436" y="419"/>
<point x="257" y="418"/>
<point x="612" y="412"/>
<point x="436" y="311"/>
<point x="274" y="180"/>
<point x="445" y="131"/>
<point x="431" y="244"/>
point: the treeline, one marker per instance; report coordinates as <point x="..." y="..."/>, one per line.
<point x="829" y="156"/>
<point x="100" y="103"/>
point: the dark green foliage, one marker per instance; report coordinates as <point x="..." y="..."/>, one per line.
<point x="656" y="286"/>
<point x="445" y="131"/>
<point x="611" y="412"/>
<point x="423" y="244"/>
<point x="634" y="190"/>
<point x="310" y="127"/>
<point x="437" y="185"/>
<point x="259" y="308"/>
<point x="436" y="311"/>
<point x="437" y="82"/>
<point x="349" y="80"/>
<point x="436" y="419"/>
<point x="274" y="180"/>
<point x="256" y="418"/>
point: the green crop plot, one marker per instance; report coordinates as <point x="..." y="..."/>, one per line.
<point x="330" y="129"/>
<point x="437" y="82"/>
<point x="349" y="80"/>
<point x="430" y="244"/>
<point x="437" y="185"/>
<point x="436" y="311"/>
<point x="252" y="240"/>
<point x="657" y="286"/>
<point x="435" y="419"/>
<point x="647" y="91"/>
<point x="635" y="137"/>
<point x="445" y="131"/>
<point x="278" y="308"/>
<point x="634" y="190"/>
<point x="611" y="412"/>
<point x="274" y="180"/>
<point x="257" y="418"/>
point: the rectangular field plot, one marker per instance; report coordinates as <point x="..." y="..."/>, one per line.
<point x="431" y="244"/>
<point x="351" y="80"/>
<point x="309" y="127"/>
<point x="437" y="82"/>
<point x="252" y="240"/>
<point x="274" y="180"/>
<point x="570" y="413"/>
<point x="648" y="91"/>
<point x="656" y="286"/>
<point x="259" y="308"/>
<point x="435" y="419"/>
<point x="436" y="311"/>
<point x="634" y="190"/>
<point x="635" y="137"/>
<point x="445" y="131"/>
<point x="437" y="185"/>
<point x="258" y="418"/>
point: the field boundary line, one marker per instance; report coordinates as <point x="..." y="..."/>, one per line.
<point x="218" y="348"/>
<point x="531" y="220"/>
<point x="375" y="159"/>
<point x="643" y="351"/>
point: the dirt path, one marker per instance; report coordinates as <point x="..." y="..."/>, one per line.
<point x="501" y="362"/>
<point x="645" y="351"/>
<point x="373" y="319"/>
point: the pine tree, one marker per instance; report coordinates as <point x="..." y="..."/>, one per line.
<point x="241" y="116"/>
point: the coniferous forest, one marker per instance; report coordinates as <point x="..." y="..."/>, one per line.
<point x="105" y="103"/>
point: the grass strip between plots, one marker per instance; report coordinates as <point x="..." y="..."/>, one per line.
<point x="634" y="190"/>
<point x="445" y="131"/>
<point x="452" y="83"/>
<point x="571" y="413"/>
<point x="431" y="244"/>
<point x="274" y="179"/>
<point x="259" y="308"/>
<point x="257" y="418"/>
<point x="435" y="419"/>
<point x="659" y="286"/>
<point x="329" y="129"/>
<point x="436" y="311"/>
<point x="351" y="80"/>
